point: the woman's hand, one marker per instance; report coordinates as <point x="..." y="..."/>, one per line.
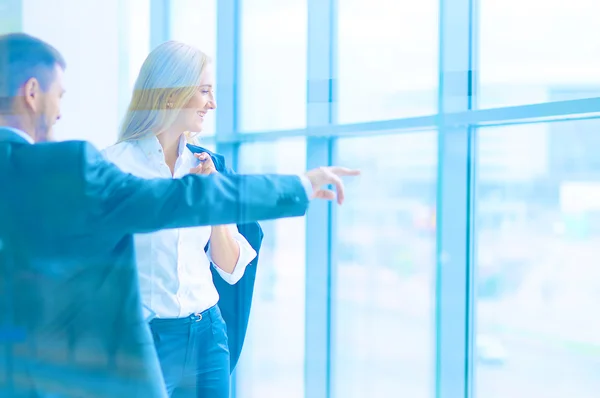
<point x="206" y="165"/>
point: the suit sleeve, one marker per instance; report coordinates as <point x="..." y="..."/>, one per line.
<point x="118" y="200"/>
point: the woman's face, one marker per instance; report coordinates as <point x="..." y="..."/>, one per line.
<point x="192" y="115"/>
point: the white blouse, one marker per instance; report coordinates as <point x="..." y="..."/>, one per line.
<point x="174" y="270"/>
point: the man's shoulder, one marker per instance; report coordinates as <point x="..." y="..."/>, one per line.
<point x="67" y="151"/>
<point x="60" y="152"/>
<point x="72" y="146"/>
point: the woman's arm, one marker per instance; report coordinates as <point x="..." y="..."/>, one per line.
<point x="224" y="250"/>
<point x="229" y="251"/>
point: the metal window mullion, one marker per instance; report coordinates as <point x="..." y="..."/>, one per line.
<point x="581" y="109"/>
<point x="453" y="339"/>
<point x="228" y="32"/>
<point x="228" y="28"/>
<point x="320" y="278"/>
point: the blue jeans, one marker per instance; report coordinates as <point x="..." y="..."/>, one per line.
<point x="193" y="354"/>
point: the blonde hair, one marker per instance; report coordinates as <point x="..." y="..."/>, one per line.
<point x="168" y="79"/>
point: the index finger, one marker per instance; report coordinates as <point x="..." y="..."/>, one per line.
<point x="344" y="171"/>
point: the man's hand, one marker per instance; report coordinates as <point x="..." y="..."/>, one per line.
<point x="206" y="165"/>
<point x="323" y="176"/>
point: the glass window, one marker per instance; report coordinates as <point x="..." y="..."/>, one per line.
<point x="534" y="51"/>
<point x="136" y="35"/>
<point x="137" y="28"/>
<point x="386" y="268"/>
<point x="195" y="23"/>
<point x="272" y="362"/>
<point x="102" y="43"/>
<point x="10" y="16"/>
<point x="537" y="245"/>
<point x="388" y="59"/>
<point x="272" y="94"/>
<point x="211" y="146"/>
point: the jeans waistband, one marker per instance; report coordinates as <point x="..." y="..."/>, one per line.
<point x="209" y="315"/>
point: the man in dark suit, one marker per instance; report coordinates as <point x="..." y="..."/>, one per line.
<point x="71" y="323"/>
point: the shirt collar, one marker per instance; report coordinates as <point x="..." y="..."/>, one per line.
<point x="20" y="133"/>
<point x="151" y="146"/>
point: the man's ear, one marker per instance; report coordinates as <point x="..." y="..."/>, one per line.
<point x="31" y="91"/>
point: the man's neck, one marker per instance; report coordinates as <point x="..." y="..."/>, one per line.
<point x="15" y="123"/>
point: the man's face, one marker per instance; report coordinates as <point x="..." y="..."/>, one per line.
<point x="41" y="107"/>
<point x="47" y="108"/>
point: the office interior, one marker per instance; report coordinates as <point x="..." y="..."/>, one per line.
<point x="464" y="262"/>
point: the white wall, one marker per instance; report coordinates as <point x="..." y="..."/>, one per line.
<point x="96" y="38"/>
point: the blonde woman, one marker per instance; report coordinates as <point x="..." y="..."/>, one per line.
<point x="173" y="94"/>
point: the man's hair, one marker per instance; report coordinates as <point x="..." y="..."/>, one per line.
<point x="23" y="57"/>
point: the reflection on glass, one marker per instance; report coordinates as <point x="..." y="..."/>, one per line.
<point x="537" y="247"/>
<point x="273" y="65"/>
<point x="272" y="362"/>
<point x="388" y="59"/>
<point x="551" y="51"/>
<point x="195" y="23"/>
<point x="386" y="268"/>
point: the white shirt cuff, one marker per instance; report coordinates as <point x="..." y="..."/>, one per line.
<point x="308" y="188"/>
<point x="247" y="254"/>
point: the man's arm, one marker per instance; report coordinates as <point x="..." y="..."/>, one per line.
<point x="118" y="200"/>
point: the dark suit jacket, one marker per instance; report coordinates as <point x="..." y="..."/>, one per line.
<point x="70" y="309"/>
<point x="235" y="300"/>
